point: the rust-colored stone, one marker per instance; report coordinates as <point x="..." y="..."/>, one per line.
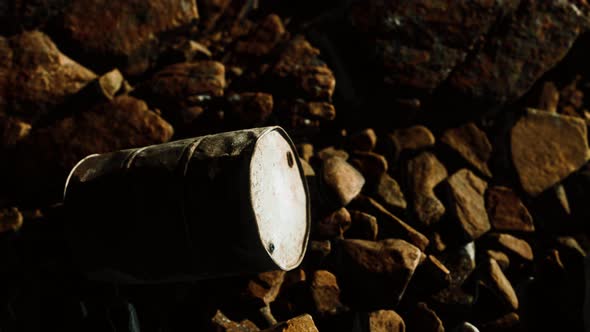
<point x="250" y="109"/>
<point x="364" y="140"/>
<point x="513" y="245"/>
<point x="424" y="172"/>
<point x="221" y="323"/>
<point x="269" y="32"/>
<point x="496" y="282"/>
<point x="388" y="192"/>
<point x="335" y="224"/>
<point x="343" y="180"/>
<point x="506" y="211"/>
<point x="370" y="164"/>
<point x="386" y="321"/>
<point x="472" y="144"/>
<point x="265" y="288"/>
<point x="410" y="139"/>
<point x="303" y="323"/>
<point x="364" y="226"/>
<point x="546" y="148"/>
<point x="325" y="293"/>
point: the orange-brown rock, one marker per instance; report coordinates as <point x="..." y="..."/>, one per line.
<point x="342" y="180"/>
<point x="386" y="321"/>
<point x="335" y="224"/>
<point x="506" y="211"/>
<point x="265" y="288"/>
<point x="325" y="293"/>
<point x="512" y="245"/>
<point x="363" y="226"/>
<point x="303" y="323"/>
<point x="221" y="323"/>
<point x="546" y="148"/>
<point x="370" y="164"/>
<point x="388" y="192"/>
<point x="494" y="280"/>
<point x="423" y="319"/>
<point x="424" y="172"/>
<point x="410" y="139"/>
<point x="364" y="140"/>
<point x="472" y="144"/>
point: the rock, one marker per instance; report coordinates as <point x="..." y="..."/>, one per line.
<point x="390" y="226"/>
<point x="501" y="258"/>
<point x="305" y="151"/>
<point x="410" y="139"/>
<point x="319" y="110"/>
<point x="494" y="280"/>
<point x="376" y="274"/>
<point x="424" y="172"/>
<point x="46" y="156"/>
<point x="388" y="192"/>
<point x="342" y="180"/>
<point x="221" y="323"/>
<point x="386" y="321"/>
<point x="184" y="50"/>
<point x="513" y="245"/>
<point x="335" y="224"/>
<point x="546" y="148"/>
<point x="330" y="152"/>
<point x="269" y="32"/>
<point x="307" y="169"/>
<point x="12" y="130"/>
<point x="364" y="226"/>
<point x="303" y="323"/>
<point x="499" y="74"/>
<point x="472" y="144"/>
<point x="299" y="71"/>
<point x="10" y="219"/>
<point x="364" y="140"/>
<point x="506" y="211"/>
<point x="325" y="293"/>
<point x="210" y="11"/>
<point x="549" y="98"/>
<point x="303" y="114"/>
<point x="124" y="33"/>
<point x="35" y="77"/>
<point x="182" y="85"/>
<point x="265" y="288"/>
<point x="370" y="164"/>
<point x="464" y="191"/>
<point x="562" y="199"/>
<point x="434" y="274"/>
<point x="317" y="252"/>
<point x="509" y="322"/>
<point x="423" y="319"/>
<point x="249" y="109"/>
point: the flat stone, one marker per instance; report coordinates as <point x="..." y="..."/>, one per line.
<point x="306" y="151"/>
<point x="223" y="324"/>
<point x="370" y="164"/>
<point x="265" y="288"/>
<point x="506" y="211"/>
<point x="335" y="224"/>
<point x="35" y="77"/>
<point x="364" y="226"/>
<point x="513" y="245"/>
<point x="466" y="203"/>
<point x="388" y="192"/>
<point x="376" y="274"/>
<point x="386" y="321"/>
<point x="546" y="148"/>
<point x="364" y="140"/>
<point x="472" y="144"/>
<point x="303" y="323"/>
<point x="325" y="293"/>
<point x="422" y="318"/>
<point x="496" y="282"/>
<point x="343" y="180"/>
<point x="308" y="171"/>
<point x="501" y="258"/>
<point x="390" y="226"/>
<point x="124" y="33"/>
<point x="424" y="172"/>
<point x="331" y="151"/>
<point x="410" y="139"/>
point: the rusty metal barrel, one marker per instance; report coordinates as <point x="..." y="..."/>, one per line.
<point x="204" y="207"/>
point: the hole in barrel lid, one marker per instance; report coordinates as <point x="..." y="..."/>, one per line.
<point x="271" y="247"/>
<point x="290" y="160"/>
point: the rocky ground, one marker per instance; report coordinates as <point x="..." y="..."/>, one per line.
<point x="445" y="145"/>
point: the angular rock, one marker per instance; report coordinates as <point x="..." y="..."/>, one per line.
<point x="343" y="180"/>
<point x="180" y="86"/>
<point x="124" y="33"/>
<point x="331" y="151"/>
<point x="269" y="32"/>
<point x="12" y="130"/>
<point x="434" y="274"/>
<point x="221" y="323"/>
<point x="500" y="74"/>
<point x="501" y="258"/>
<point x="364" y="226"/>
<point x="317" y="252"/>
<point x="386" y="321"/>
<point x="466" y="203"/>
<point x="546" y="148"/>
<point x="325" y="293"/>
<point x="549" y="98"/>
<point x="303" y="323"/>
<point x="509" y="323"/>
<point x="376" y="274"/>
<point x="35" y="77"/>
<point x="302" y="114"/>
<point x="513" y="245"/>
<point x="506" y="211"/>
<point x="370" y="164"/>
<point x="249" y="109"/>
<point x="265" y="288"/>
<point x="210" y="11"/>
<point x="46" y="156"/>
<point x="388" y="192"/>
<point x="364" y="140"/>
<point x="308" y="171"/>
<point x="305" y="151"/>
<point x="496" y="282"/>
<point x="10" y="219"/>
<point x="424" y="172"/>
<point x="301" y="72"/>
<point x="410" y="139"/>
<point x="390" y="226"/>
<point x="472" y="144"/>
<point x="422" y="318"/>
<point x="335" y="224"/>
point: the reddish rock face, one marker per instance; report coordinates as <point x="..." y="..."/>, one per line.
<point x="546" y="148"/>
